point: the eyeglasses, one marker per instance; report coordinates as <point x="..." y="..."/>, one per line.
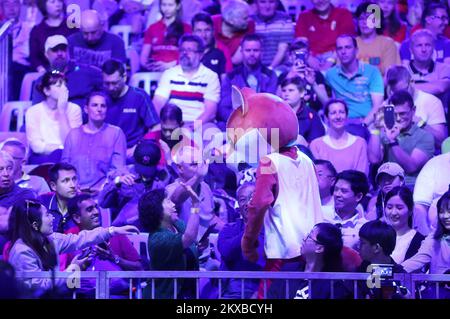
<point x="443" y="18"/>
<point x="314" y="240"/>
<point x="189" y="51"/>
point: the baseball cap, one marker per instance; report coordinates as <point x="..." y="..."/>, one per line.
<point x="392" y="169"/>
<point x="55" y="40"/>
<point x="147" y="155"/>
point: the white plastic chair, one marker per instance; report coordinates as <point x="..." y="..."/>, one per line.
<point x="140" y="242"/>
<point x="18" y="108"/>
<point x="146" y="80"/>
<point x="124" y="32"/>
<point x="27" y="85"/>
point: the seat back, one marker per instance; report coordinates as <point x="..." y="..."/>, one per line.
<point x="148" y="81"/>
<point x="22" y="137"/>
<point x="42" y="170"/>
<point x="140" y="243"/>
<point x="13" y="109"/>
<point x="124" y="32"/>
<point x="27" y="85"/>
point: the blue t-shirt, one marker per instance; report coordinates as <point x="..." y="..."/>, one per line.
<point x="356" y="90"/>
<point x="134" y="113"/>
<point x="110" y="46"/>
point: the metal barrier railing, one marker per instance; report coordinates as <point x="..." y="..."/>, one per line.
<point x="102" y="279"/>
<point x="5" y="57"/>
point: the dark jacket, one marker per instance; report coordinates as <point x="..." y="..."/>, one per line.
<point x="299" y="289"/>
<point x="267" y="83"/>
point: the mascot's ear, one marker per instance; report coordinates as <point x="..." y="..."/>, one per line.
<point x="238" y="100"/>
<point x="240" y="97"/>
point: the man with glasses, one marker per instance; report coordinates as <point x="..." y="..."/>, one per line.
<point x="130" y="108"/>
<point x="326" y="176"/>
<point x="429" y="113"/>
<point x="434" y="19"/>
<point x="405" y="143"/>
<point x="190" y="85"/>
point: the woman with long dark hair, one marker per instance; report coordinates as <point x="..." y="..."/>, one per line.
<point x="398" y="211"/>
<point x="160" y="49"/>
<point x="322" y="252"/>
<point x="36" y="248"/>
<point x="393" y="26"/>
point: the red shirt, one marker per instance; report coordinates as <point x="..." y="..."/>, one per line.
<point x="322" y="33"/>
<point x="162" y="49"/>
<point x="232" y="43"/>
<point x="419" y="26"/>
<point x="399" y="36"/>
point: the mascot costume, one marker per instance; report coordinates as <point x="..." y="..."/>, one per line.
<point x="262" y="131"/>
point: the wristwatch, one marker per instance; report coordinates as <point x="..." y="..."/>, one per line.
<point x="116" y="259"/>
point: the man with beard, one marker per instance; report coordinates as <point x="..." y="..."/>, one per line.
<point x="130" y="108"/>
<point x="93" y="45"/>
<point x="115" y="254"/>
<point x="190" y="85"/>
<point x="81" y="80"/>
<point x="251" y="73"/>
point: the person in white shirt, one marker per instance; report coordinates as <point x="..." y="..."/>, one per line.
<point x="348" y="190"/>
<point x="398" y="211"/>
<point x="432" y="182"/>
<point x="49" y="122"/>
<point x="190" y="85"/>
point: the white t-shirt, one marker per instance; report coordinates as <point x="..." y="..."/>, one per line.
<point x="189" y="93"/>
<point x="42" y="130"/>
<point x="429" y="108"/>
<point x="402" y="245"/>
<point x="432" y="182"/>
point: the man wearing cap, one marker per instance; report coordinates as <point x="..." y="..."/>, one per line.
<point x="92" y="45"/>
<point x="81" y="80"/>
<point x="126" y="186"/>
<point x="389" y="175"/>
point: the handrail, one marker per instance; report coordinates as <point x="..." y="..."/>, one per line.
<point x="103" y="277"/>
<point x="5" y="56"/>
<point x="4" y="28"/>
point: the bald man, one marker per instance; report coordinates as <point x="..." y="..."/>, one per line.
<point x="92" y="45"/>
